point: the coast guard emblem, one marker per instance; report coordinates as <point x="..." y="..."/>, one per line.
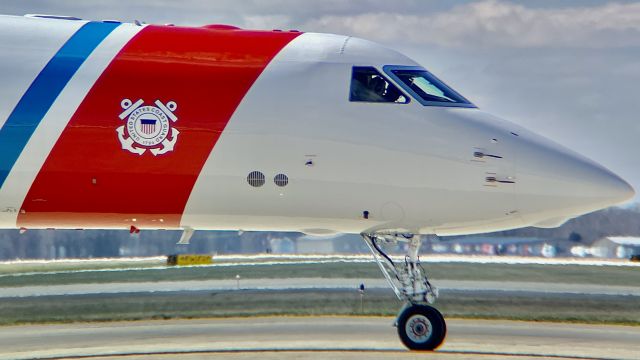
<point x="148" y="127"/>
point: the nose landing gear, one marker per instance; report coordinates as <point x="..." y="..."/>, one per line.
<point x="420" y="326"/>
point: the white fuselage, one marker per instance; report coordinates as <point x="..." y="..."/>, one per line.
<point x="352" y="167"/>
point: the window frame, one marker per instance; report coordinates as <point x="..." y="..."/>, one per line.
<point x="388" y="70"/>
<point x="385" y="78"/>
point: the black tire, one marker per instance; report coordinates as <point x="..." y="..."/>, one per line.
<point x="444" y="324"/>
<point x="426" y="326"/>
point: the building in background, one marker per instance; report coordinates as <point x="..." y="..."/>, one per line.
<point x="621" y="247"/>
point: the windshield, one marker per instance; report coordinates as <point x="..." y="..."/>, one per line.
<point x="368" y="85"/>
<point x="426" y="88"/>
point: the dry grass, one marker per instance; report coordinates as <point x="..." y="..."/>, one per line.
<point x="583" y="308"/>
<point x="605" y="275"/>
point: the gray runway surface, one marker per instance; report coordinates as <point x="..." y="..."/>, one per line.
<point x="314" y="338"/>
<point x="309" y="283"/>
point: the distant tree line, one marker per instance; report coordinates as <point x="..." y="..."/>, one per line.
<point x="52" y="244"/>
<point x="589" y="228"/>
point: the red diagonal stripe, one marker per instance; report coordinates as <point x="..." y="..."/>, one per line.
<point x="89" y="181"/>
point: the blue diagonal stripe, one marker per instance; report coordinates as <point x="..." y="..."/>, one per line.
<point x="44" y="90"/>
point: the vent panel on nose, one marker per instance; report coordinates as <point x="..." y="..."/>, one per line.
<point x="281" y="180"/>
<point x="256" y="179"/>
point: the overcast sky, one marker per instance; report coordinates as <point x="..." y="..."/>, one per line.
<point x="569" y="70"/>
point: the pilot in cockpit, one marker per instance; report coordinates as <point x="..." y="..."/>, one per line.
<point x="368" y="86"/>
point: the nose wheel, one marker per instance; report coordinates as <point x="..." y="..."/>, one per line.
<point x="420" y="326"/>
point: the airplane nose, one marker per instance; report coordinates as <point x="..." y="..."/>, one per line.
<point x="618" y="190"/>
<point x="611" y="187"/>
<point x="554" y="182"/>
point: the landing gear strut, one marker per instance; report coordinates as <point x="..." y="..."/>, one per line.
<point x="420" y="326"/>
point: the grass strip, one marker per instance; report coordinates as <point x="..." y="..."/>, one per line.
<point x="580" y="274"/>
<point x="562" y="308"/>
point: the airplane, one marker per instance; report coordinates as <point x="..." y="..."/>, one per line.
<point x="109" y="125"/>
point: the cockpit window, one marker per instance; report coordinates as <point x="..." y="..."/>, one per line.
<point x="425" y="87"/>
<point x="368" y="85"/>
